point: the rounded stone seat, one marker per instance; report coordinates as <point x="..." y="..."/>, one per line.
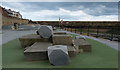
<point x="58" y="55"/>
<point x="45" y="31"/>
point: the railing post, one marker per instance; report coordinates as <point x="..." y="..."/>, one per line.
<point x="88" y="30"/>
<point x="81" y="30"/>
<point x="112" y="34"/>
<point x="97" y="31"/>
<point x="71" y="28"/>
<point x="75" y="29"/>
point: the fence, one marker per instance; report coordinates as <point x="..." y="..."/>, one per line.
<point x="107" y="32"/>
<point x="104" y="29"/>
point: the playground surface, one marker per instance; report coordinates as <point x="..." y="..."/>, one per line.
<point x="102" y="55"/>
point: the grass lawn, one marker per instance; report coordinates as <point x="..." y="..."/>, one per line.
<point x="102" y="56"/>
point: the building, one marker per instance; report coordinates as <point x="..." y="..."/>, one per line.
<point x="8" y="16"/>
<point x="0" y="17"/>
<point x="13" y="13"/>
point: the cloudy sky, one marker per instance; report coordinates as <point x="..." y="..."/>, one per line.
<point x="69" y="11"/>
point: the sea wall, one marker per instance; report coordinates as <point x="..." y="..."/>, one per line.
<point x="11" y="20"/>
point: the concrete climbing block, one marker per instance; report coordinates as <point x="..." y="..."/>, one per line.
<point x="37" y="52"/>
<point x="62" y="40"/>
<point x="72" y="50"/>
<point x="45" y="31"/>
<point x="82" y="44"/>
<point x="28" y="40"/>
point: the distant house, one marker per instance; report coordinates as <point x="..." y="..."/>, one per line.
<point x="13" y="13"/>
<point x="8" y="16"/>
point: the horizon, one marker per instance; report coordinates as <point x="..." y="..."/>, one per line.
<point x="68" y="11"/>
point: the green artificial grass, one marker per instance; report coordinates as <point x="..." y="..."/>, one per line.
<point x="85" y="30"/>
<point x="102" y="56"/>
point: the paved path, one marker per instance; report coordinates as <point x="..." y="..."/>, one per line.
<point x="112" y="44"/>
<point x="8" y="35"/>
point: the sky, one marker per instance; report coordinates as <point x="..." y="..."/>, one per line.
<point x="68" y="11"/>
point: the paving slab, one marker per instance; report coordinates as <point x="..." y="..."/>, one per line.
<point x="37" y="52"/>
<point x="28" y="40"/>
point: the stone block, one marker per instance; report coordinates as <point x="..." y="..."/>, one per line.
<point x="58" y="55"/>
<point x="59" y="33"/>
<point x="45" y="31"/>
<point x="28" y="40"/>
<point x="72" y="51"/>
<point x="62" y="40"/>
<point x="82" y="44"/>
<point x="37" y="52"/>
<point x="80" y="37"/>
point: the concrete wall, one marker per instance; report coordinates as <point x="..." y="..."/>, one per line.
<point x="5" y="19"/>
<point x="12" y="20"/>
<point x="0" y="20"/>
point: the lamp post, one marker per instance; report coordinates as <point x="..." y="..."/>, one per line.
<point x="67" y="24"/>
<point x="59" y="22"/>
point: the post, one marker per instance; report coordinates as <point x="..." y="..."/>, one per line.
<point x="81" y="30"/>
<point x="112" y="34"/>
<point x="68" y="28"/>
<point x="118" y="32"/>
<point x="88" y="31"/>
<point x="111" y="37"/>
<point x="71" y="29"/>
<point x="97" y="31"/>
<point x="75" y="30"/>
<point x="59" y="22"/>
